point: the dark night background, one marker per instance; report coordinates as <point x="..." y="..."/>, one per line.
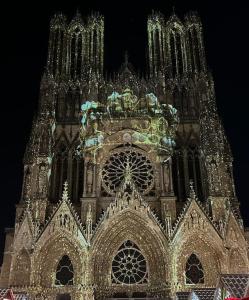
<point x="24" y="40"/>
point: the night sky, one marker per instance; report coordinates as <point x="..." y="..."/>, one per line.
<point x="24" y="40"/>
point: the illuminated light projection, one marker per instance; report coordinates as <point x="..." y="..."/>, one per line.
<point x="128" y="185"/>
<point x="148" y="121"/>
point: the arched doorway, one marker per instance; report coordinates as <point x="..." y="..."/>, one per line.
<point x="130" y="260"/>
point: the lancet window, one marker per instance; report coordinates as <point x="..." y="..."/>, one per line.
<point x="76" y="53"/>
<point x="57" y="51"/>
<point x="194" y="49"/>
<point x="59" y="171"/>
<point x="177" y="54"/>
<point x="186" y="167"/>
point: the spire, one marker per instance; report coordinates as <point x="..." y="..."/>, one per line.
<point x="77" y="19"/>
<point x="126" y="59"/>
<point x="173" y="10"/>
<point x="126" y="66"/>
<point x="65" y="192"/>
<point x="192" y="194"/>
<point x="127" y="74"/>
<point x="173" y="17"/>
<point x="77" y="16"/>
<point x="58" y="20"/>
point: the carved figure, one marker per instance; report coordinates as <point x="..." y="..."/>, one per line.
<point x="129" y="100"/>
<point x="42" y="180"/>
<point x="114" y="103"/>
<point x="89" y="178"/>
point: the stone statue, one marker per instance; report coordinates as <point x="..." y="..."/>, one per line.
<point x="27" y="184"/>
<point x="86" y="109"/>
<point x="152" y="102"/>
<point x="214" y="177"/>
<point x="89" y="177"/>
<point x="129" y="100"/>
<point x="114" y="103"/>
<point x="42" y="180"/>
<point x="166" y="168"/>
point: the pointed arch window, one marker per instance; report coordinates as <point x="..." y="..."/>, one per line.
<point x="57" y="51"/>
<point x="64" y="272"/>
<point x="129" y="265"/>
<point x="179" y="54"/>
<point x="73" y="56"/>
<point x="173" y="55"/>
<point x="60" y="105"/>
<point x="59" y="171"/>
<point x="194" y="49"/>
<point x="179" y="174"/>
<point x="79" y="62"/>
<point x="194" y="273"/>
<point x="158" y="59"/>
<point x="176" y="44"/>
<point x="95" y="47"/>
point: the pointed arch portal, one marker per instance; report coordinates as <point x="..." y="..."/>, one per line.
<point x="130" y="255"/>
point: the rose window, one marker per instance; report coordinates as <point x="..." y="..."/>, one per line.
<point x="129" y="265"/>
<point x="128" y="162"/>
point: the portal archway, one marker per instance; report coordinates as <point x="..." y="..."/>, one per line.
<point x="61" y="254"/>
<point x="141" y="232"/>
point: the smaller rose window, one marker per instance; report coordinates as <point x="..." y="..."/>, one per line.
<point x="64" y="272"/>
<point x="194" y="270"/>
<point x="129" y="265"/>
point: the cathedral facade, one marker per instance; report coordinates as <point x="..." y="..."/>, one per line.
<point x="128" y="186"/>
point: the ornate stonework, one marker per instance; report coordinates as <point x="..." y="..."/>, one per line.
<point x="128" y="184"/>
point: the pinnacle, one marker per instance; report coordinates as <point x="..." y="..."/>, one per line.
<point x="192" y="194"/>
<point x="65" y="192"/>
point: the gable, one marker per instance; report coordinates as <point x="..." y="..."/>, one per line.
<point x="233" y="234"/>
<point x="64" y="222"/>
<point x="24" y="235"/>
<point x="195" y="221"/>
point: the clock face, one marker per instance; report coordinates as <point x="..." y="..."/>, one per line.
<point x="140" y="170"/>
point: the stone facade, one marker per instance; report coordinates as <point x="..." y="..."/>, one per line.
<point x="128" y="184"/>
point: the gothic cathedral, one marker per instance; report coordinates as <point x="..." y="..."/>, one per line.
<point x="128" y="187"/>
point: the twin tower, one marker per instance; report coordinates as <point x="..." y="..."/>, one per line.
<point x="76" y="48"/>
